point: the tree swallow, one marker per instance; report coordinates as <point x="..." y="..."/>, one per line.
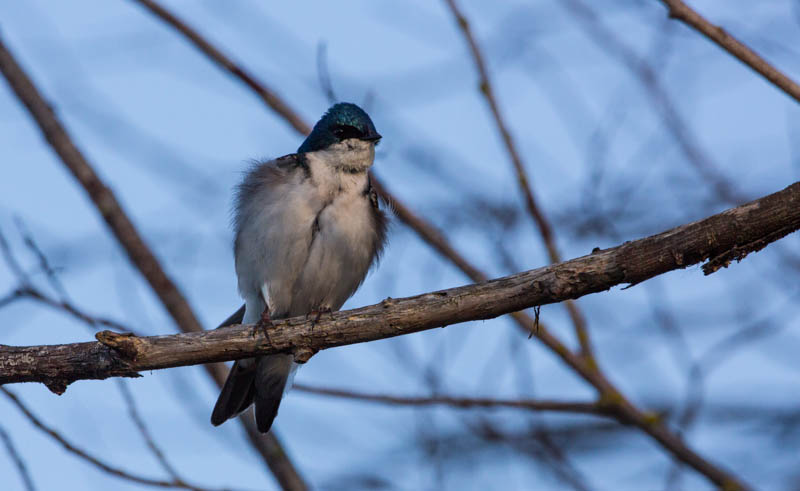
<point x="308" y="228"/>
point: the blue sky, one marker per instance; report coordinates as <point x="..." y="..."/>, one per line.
<point x="171" y="133"/>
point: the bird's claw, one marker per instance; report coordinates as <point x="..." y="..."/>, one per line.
<point x="264" y="323"/>
<point x="318" y="314"/>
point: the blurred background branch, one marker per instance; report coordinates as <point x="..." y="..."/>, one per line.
<point x="93" y="460"/>
<point x="542" y="223"/>
<point x="679" y="10"/>
<point x="626" y="122"/>
<point x="129" y="238"/>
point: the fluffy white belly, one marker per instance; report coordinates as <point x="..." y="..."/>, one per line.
<point x="340" y="253"/>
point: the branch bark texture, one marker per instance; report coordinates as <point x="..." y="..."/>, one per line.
<point x="607" y="391"/>
<point x="539" y="217"/>
<point x="136" y="248"/>
<point x="720" y="239"/>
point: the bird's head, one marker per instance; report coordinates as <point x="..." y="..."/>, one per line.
<point x="343" y="121"/>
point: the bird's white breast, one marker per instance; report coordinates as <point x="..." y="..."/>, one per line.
<point x="343" y="232"/>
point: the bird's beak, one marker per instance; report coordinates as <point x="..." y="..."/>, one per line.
<point x="372" y="136"/>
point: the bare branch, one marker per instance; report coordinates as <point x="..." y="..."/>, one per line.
<point x="22" y="469"/>
<point x="679" y="10"/>
<point x="749" y="227"/>
<point x="486" y="89"/>
<point x="26" y="289"/>
<point x="133" y="412"/>
<point x="11" y="261"/>
<point x="44" y="264"/>
<point x="105" y="201"/>
<point x="130" y="239"/>
<point x="594" y="377"/>
<point x="688" y="143"/>
<point x="545" y="229"/>
<point x="267" y="95"/>
<point x="462" y="402"/>
<point x="72" y="310"/>
<point x="324" y="74"/>
<point x="68" y="446"/>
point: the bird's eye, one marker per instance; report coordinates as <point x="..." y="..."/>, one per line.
<point x="343" y="132"/>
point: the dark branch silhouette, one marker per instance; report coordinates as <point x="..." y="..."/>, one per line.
<point x="679" y="10"/>
<point x="91" y="459"/>
<point x="538" y="216"/>
<point x="719" y="239"/>
<point x="461" y="402"/>
<point x="138" y="251"/>
<point x="591" y="374"/>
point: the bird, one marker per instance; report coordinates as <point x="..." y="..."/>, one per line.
<point x="308" y="228"/>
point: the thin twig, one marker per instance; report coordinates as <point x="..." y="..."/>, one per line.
<point x="133" y="412"/>
<point x="71" y="309"/>
<point x="679" y="10"/>
<point x="430" y="235"/>
<point x="129" y="238"/>
<point x="105" y="201"/>
<point x="266" y="94"/>
<point x="461" y="402"/>
<point x="688" y="144"/>
<point x="755" y="224"/>
<point x="94" y="322"/>
<point x="11" y="261"/>
<point x="628" y="412"/>
<point x="545" y="229"/>
<point x="105" y="467"/>
<point x="324" y="73"/>
<point x="26" y="289"/>
<point x="22" y="469"/>
<point x="44" y="263"/>
<point x="544" y="226"/>
<point x="546" y="452"/>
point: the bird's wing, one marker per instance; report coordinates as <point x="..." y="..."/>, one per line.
<point x="274" y="216"/>
<point x="234" y="318"/>
<point x="380" y="221"/>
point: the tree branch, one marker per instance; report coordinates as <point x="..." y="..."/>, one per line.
<point x="91" y="459"/>
<point x="19" y="463"/>
<point x="593" y="408"/>
<point x="539" y="218"/>
<point x="102" y="197"/>
<point x="626" y="411"/>
<point x="133" y="413"/>
<point x="679" y="10"/>
<point x="138" y="252"/>
<point x="721" y="238"/>
<point x="689" y="144"/>
<point x="266" y="94"/>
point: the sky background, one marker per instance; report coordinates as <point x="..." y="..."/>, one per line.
<point x="171" y="134"/>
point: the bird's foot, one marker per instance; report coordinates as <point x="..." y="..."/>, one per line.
<point x="264" y="323"/>
<point x="318" y="314"/>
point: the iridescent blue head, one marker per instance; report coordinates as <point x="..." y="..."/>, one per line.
<point x="342" y="121"/>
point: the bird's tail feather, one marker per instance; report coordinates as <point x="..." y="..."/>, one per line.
<point x="270" y="381"/>
<point x="237" y="393"/>
<point x="261" y="380"/>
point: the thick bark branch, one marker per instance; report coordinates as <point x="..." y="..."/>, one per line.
<point x="721" y="238"/>
<point x="626" y="411"/>
<point x="137" y="249"/>
<point x="534" y="210"/>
